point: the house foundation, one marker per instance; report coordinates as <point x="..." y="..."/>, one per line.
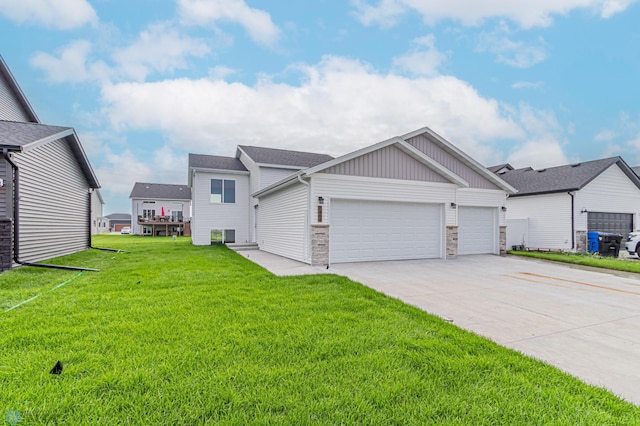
<point x="452" y="242"/>
<point x="320" y="244"/>
<point x="582" y="245"/>
<point x="6" y="243"/>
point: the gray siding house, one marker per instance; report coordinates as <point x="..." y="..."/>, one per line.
<point x="46" y="183"/>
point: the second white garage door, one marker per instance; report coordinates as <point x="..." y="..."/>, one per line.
<point x="477" y="231"/>
<point x="372" y="230"/>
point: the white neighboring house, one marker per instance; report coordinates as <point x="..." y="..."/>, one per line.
<point x="99" y="223"/>
<point x="223" y="209"/>
<point x="411" y="197"/>
<point x="160" y="209"/>
<point x="556" y="207"/>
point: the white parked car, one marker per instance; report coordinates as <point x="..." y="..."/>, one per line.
<point x="126" y="230"/>
<point x="633" y="243"/>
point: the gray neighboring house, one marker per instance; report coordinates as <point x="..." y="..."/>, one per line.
<point x="160" y="209"/>
<point x="46" y="183"/>
<point x="556" y="207"/>
<point x="117" y="221"/>
<point x="99" y="224"/>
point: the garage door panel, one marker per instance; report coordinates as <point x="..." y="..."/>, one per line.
<point x="369" y="231"/>
<point x="477" y="230"/>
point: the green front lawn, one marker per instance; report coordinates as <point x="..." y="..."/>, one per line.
<point x="593" y="260"/>
<point x="170" y="333"/>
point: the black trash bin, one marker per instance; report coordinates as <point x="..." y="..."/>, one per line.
<point x="609" y="244"/>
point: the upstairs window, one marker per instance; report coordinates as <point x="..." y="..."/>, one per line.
<point x="223" y="191"/>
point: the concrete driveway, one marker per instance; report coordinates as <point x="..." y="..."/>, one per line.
<point x="584" y="322"/>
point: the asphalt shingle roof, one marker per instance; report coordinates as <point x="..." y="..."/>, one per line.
<point x="160" y="191"/>
<point x="496" y="169"/>
<point x="283" y="157"/>
<point x="119" y="216"/>
<point x="636" y="170"/>
<point x="215" y="162"/>
<point x="571" y="177"/>
<point x="17" y="134"/>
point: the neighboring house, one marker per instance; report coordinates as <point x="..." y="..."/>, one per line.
<point x="410" y="197"/>
<point x="99" y="224"/>
<point x="46" y="183"/>
<point x="117" y="221"/>
<point x="556" y="207"/>
<point x="160" y="209"/>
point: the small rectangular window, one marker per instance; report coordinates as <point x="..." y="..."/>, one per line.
<point x="223" y="191"/>
<point x="223" y="236"/>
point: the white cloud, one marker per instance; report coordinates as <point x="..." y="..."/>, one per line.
<point x="526" y="14"/>
<point x="514" y="53"/>
<point x="340" y="105"/>
<point x="605" y="136"/>
<point x="424" y="59"/>
<point x="159" y="48"/>
<point x="60" y="14"/>
<point x="256" y="22"/>
<point x="538" y="153"/>
<point x="527" y="85"/>
<point x="71" y="64"/>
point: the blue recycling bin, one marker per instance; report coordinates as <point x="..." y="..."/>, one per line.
<point x="593" y="241"/>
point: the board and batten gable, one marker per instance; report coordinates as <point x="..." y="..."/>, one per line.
<point x="208" y="216"/>
<point x="54" y="202"/>
<point x="609" y="192"/>
<point x="449" y="161"/>
<point x="549" y="218"/>
<point x="282" y="222"/>
<point x="388" y="162"/>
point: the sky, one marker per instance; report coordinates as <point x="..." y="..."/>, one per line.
<point x="145" y="82"/>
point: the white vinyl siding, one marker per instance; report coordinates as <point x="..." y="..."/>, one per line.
<point x="549" y="219"/>
<point x="10" y="108"/>
<point x="282" y="223"/>
<point x="6" y="175"/>
<point x="610" y="192"/>
<point x="208" y="216"/>
<point x="270" y="175"/>
<point x="477" y="230"/>
<point x="54" y="204"/>
<point x="375" y="189"/>
<point x="484" y="198"/>
<point x="375" y="231"/>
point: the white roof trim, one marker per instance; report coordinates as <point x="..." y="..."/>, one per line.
<point x="60" y="135"/>
<point x="219" y="171"/>
<point x="479" y="168"/>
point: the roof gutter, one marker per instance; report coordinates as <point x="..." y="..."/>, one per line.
<point x="16" y="222"/>
<point x="573" y="220"/>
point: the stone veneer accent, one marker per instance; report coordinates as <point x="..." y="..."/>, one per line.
<point x="503" y="241"/>
<point x="320" y="244"/>
<point x="582" y="246"/>
<point x="6" y="243"/>
<point x="452" y="242"/>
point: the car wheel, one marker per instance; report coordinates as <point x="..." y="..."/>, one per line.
<point x="637" y="248"/>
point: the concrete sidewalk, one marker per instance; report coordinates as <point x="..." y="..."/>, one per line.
<point x="584" y="322"/>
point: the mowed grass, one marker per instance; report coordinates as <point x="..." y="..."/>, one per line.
<point x="593" y="260"/>
<point x="170" y="333"/>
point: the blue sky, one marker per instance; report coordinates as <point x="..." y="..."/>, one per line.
<point x="144" y="82"/>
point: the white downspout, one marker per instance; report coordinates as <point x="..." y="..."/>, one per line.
<point x="307" y="218"/>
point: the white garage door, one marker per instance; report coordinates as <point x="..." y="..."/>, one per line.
<point x="477" y="231"/>
<point x="372" y="230"/>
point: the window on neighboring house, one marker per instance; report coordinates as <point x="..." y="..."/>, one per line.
<point x="148" y="213"/>
<point x="222" y="236"/>
<point x="223" y="191"/>
<point x="176" y="216"/>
